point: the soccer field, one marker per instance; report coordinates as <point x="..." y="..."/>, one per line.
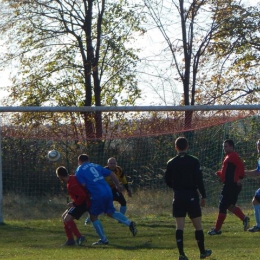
<point x="42" y="239"/>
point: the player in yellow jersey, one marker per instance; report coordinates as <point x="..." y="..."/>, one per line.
<point x="118" y="196"/>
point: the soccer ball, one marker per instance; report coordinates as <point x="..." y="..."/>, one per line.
<point x="53" y="156"/>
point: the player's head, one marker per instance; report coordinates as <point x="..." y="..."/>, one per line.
<point x="62" y="173"/>
<point x="83" y="158"/>
<point x="258" y="145"/>
<point x="181" y="144"/>
<point x="228" y="146"/>
<point x="111" y="163"/>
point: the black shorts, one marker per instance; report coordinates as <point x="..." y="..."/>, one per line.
<point x="78" y="211"/>
<point x="229" y="196"/>
<point x="119" y="197"/>
<point x="186" y="202"/>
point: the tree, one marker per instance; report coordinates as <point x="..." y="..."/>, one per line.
<point x="190" y="30"/>
<point x="72" y="53"/>
<point x="236" y="49"/>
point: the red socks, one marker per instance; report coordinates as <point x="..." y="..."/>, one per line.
<point x="238" y="212"/>
<point x="71" y="228"/>
<point x="220" y="221"/>
<point x="68" y="231"/>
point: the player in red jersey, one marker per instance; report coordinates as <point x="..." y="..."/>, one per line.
<point x="231" y="174"/>
<point x="79" y="205"/>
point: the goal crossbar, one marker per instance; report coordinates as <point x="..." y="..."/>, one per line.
<point x="126" y="108"/>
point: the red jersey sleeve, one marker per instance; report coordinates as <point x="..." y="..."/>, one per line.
<point x="221" y="173"/>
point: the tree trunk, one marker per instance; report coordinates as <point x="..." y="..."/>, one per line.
<point x="188" y="119"/>
<point x="89" y="124"/>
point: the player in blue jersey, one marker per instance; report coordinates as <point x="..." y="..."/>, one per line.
<point x="256" y="198"/>
<point x="117" y="196"/>
<point x="92" y="176"/>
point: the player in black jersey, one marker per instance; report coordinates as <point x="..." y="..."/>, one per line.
<point x="184" y="176"/>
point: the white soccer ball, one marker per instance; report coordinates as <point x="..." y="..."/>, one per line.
<point x="53" y="155"/>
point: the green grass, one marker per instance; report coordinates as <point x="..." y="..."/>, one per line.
<point x="42" y="239"/>
<point x="34" y="232"/>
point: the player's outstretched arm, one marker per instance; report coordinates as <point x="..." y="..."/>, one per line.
<point x="116" y="181"/>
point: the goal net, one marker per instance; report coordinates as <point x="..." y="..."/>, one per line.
<point x="142" y="143"/>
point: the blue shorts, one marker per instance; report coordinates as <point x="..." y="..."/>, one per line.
<point x="100" y="205"/>
<point x="257" y="195"/>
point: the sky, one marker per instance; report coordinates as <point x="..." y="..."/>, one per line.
<point x="167" y="93"/>
<point x="4" y="76"/>
<point x="154" y="90"/>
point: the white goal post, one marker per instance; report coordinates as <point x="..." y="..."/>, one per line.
<point x="1" y="176"/>
<point x="128" y="108"/>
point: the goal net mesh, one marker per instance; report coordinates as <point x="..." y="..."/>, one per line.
<point x="142" y="143"/>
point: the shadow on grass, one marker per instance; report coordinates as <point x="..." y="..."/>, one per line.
<point x="157" y="225"/>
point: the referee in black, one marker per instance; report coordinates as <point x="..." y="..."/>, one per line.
<point x="184" y="176"/>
